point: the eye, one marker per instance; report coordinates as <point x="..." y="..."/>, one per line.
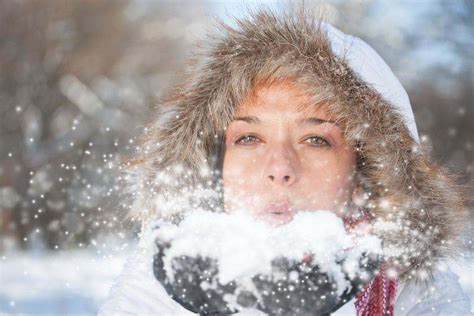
<point x="247" y="140"/>
<point x="317" y="141"/>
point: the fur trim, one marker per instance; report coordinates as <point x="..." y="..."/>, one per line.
<point x="417" y="208"/>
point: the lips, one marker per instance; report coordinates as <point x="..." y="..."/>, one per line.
<point x="278" y="213"/>
<point x="278" y="208"/>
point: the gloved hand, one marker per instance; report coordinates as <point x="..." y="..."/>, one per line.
<point x="292" y="288"/>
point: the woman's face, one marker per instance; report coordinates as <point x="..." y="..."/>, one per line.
<point x="279" y="160"/>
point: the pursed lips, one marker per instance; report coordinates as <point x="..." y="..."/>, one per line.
<point x="278" y="212"/>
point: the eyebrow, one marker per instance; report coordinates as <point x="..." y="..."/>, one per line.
<point x="306" y="120"/>
<point x="313" y="121"/>
<point x="248" y="119"/>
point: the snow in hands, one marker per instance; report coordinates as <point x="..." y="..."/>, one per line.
<point x="219" y="262"/>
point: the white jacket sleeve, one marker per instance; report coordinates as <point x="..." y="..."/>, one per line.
<point x="137" y="292"/>
<point x="442" y="297"/>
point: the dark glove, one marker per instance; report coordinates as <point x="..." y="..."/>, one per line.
<point x="304" y="290"/>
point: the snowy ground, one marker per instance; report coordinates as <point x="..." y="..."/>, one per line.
<point x="62" y="283"/>
<point x="76" y="282"/>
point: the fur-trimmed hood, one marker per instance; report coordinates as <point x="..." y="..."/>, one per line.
<point x="418" y="210"/>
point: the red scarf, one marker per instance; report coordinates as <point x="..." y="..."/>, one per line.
<point x="378" y="297"/>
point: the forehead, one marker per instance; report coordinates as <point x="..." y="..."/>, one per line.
<point x="282" y="97"/>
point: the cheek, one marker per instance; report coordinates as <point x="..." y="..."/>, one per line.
<point x="243" y="167"/>
<point x="239" y="175"/>
<point x="237" y="170"/>
<point x="328" y="179"/>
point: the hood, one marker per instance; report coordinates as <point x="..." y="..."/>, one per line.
<point x="417" y="208"/>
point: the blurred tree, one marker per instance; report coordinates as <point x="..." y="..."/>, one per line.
<point x="444" y="86"/>
<point x="77" y="81"/>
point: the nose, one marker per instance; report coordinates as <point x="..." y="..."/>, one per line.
<point x="281" y="165"/>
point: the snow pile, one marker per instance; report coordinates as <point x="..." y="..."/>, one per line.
<point x="239" y="248"/>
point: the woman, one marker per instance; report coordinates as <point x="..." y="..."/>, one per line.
<point x="291" y="113"/>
